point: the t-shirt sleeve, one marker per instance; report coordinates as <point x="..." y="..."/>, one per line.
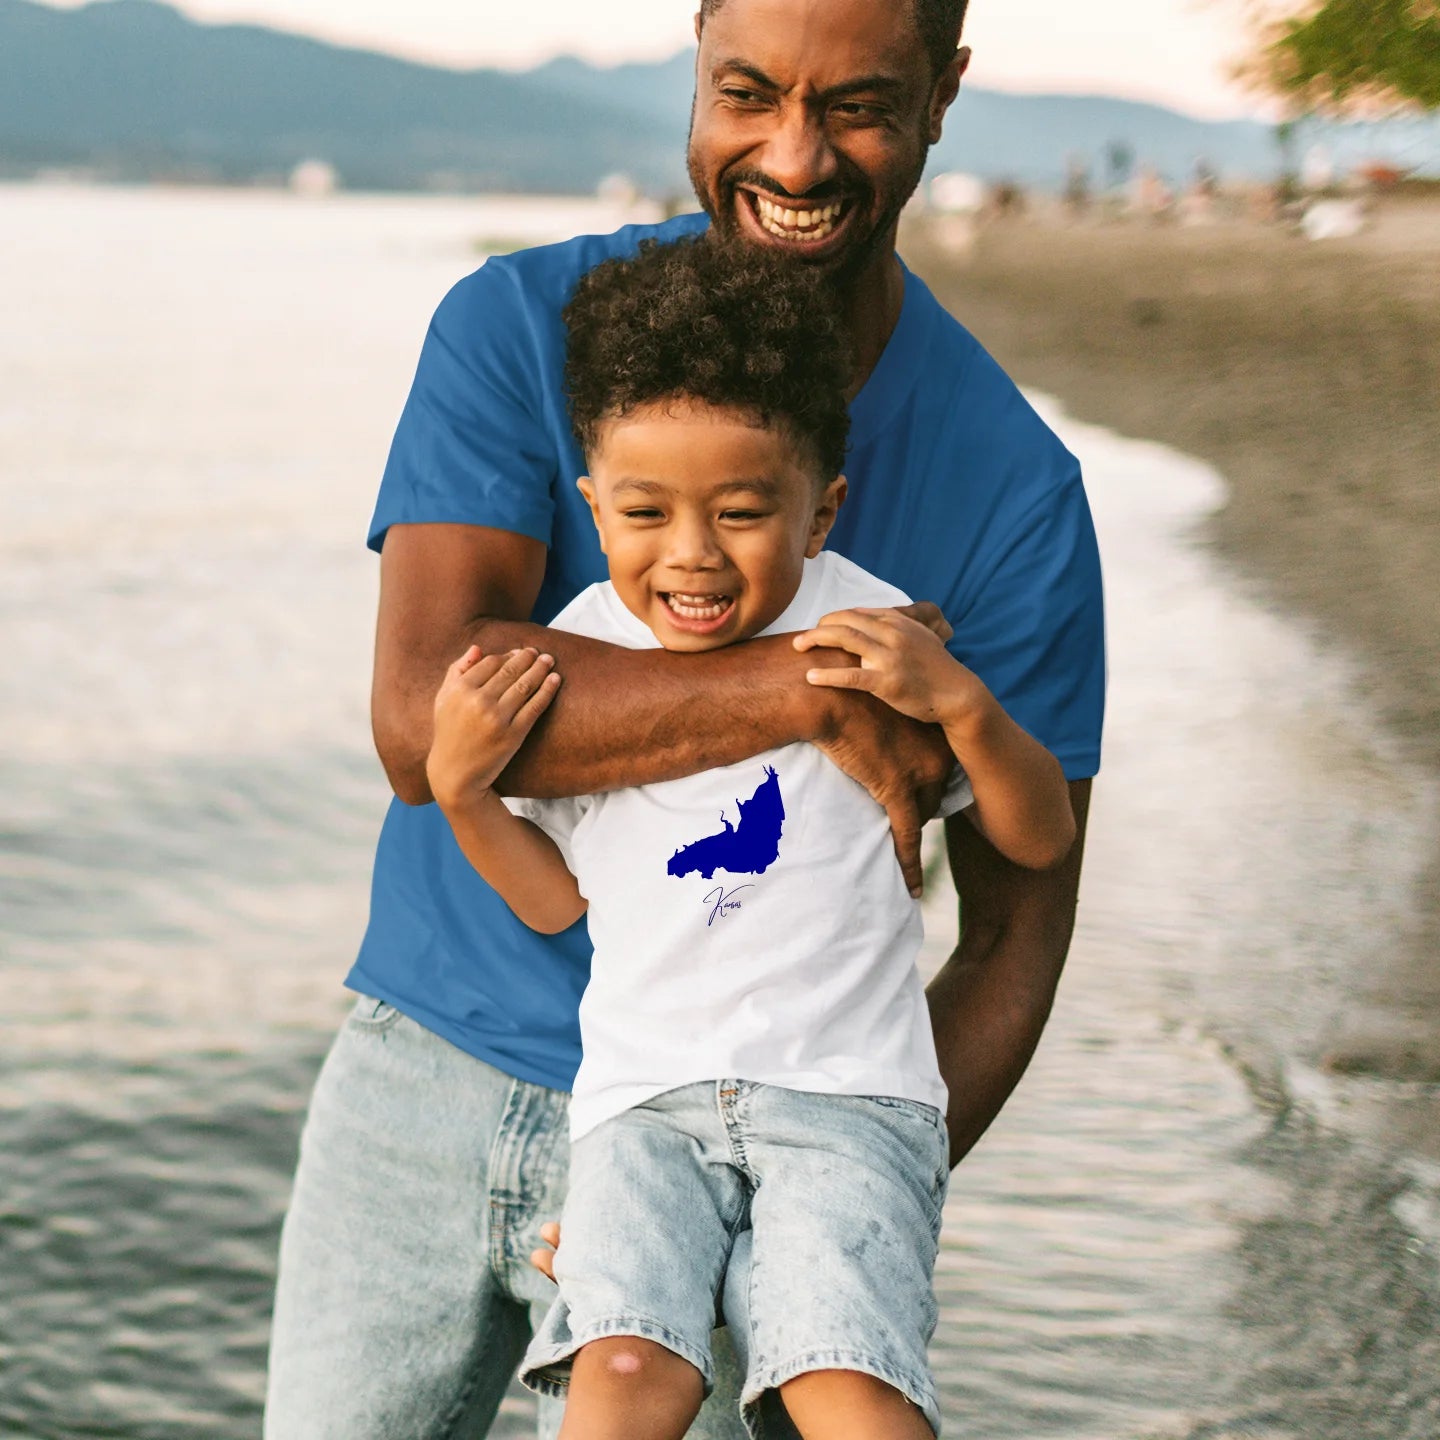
<point x="958" y="794"/>
<point x="472" y="446"/>
<point x="557" y="818"/>
<point x="1035" y="632"/>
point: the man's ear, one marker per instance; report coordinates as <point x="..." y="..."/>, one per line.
<point x="586" y="486"/>
<point x="947" y="87"/>
<point x="825" y="512"/>
<point x="699" y="22"/>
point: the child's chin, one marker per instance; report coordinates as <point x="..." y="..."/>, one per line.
<point x="673" y="639"/>
<point x="733" y="630"/>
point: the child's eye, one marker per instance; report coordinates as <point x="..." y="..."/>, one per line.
<point x="643" y="512"/>
<point x="742" y="514"/>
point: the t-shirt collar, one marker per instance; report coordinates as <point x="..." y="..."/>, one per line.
<point x="795" y="616"/>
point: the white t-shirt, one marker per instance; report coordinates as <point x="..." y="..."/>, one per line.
<point x="748" y="922"/>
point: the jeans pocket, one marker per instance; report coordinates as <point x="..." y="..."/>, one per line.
<point x="934" y="1149"/>
<point x="927" y="1114"/>
<point x="372" y="1016"/>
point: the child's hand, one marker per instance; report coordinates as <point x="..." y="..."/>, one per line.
<point x="543" y="1258"/>
<point x="485" y="707"/>
<point x="902" y="661"/>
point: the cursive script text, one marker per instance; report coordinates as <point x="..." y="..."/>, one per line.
<point x="722" y="901"/>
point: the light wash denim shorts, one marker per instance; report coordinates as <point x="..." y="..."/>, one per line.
<point x="810" y="1222"/>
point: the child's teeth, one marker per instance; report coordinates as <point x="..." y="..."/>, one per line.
<point x="699" y="607"/>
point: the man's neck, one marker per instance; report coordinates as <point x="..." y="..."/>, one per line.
<point x="872" y="309"/>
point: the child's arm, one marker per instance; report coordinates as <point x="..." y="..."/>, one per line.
<point x="1022" y="803"/>
<point x="483" y="711"/>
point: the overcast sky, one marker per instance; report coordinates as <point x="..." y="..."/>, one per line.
<point x="1176" y="52"/>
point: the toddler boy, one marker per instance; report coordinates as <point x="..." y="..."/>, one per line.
<point x="757" y="1050"/>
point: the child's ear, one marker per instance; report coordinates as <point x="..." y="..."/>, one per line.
<point x="825" y="511"/>
<point x="586" y="486"/>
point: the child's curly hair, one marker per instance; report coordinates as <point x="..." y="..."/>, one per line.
<point x="731" y="327"/>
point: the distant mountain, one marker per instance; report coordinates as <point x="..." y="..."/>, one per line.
<point x="134" y="89"/>
<point x="1029" y="137"/>
<point x="661" y="90"/>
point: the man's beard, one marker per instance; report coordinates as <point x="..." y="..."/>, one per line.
<point x="846" y="266"/>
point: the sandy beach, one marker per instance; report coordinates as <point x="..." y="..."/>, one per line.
<point x="1308" y="375"/>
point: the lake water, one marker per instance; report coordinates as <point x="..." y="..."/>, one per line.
<point x="1161" y="1239"/>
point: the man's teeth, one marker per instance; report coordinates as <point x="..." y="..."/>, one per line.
<point x="787" y="224"/>
<point x="699" y="607"/>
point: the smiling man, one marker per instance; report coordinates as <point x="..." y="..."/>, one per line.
<point x="435" y="1142"/>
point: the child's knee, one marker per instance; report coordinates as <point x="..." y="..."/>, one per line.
<point x="852" y="1403"/>
<point x="626" y="1388"/>
<point x="634" y="1360"/>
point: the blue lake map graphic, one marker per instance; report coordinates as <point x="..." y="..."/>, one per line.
<point x="749" y="848"/>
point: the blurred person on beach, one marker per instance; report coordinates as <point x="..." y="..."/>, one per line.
<point x="707" y="388"/>
<point x="435" y="1144"/>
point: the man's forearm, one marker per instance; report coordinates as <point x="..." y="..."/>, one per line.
<point x="990" y="1001"/>
<point x="621" y="717"/>
<point x="636" y="717"/>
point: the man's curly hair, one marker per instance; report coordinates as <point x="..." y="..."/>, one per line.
<point x="732" y="327"/>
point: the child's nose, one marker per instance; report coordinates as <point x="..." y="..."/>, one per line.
<point x="693" y="546"/>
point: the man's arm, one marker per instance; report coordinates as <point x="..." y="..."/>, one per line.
<point x="990" y="1001"/>
<point x="623" y="717"/>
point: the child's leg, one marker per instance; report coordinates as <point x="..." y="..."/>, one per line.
<point x="848" y="1405"/>
<point x="626" y="1388"/>
<point x="627" y="1341"/>
<point x="845" y="1220"/>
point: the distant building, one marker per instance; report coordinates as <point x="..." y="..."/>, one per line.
<point x="314" y="178"/>
<point x="617" y="189"/>
<point x="956" y="193"/>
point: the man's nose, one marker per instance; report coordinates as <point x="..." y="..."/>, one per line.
<point x="798" y="156"/>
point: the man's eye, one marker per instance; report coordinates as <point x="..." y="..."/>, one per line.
<point x="738" y="95"/>
<point x="859" y="110"/>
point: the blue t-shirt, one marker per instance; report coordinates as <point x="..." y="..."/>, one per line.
<point x="959" y="494"/>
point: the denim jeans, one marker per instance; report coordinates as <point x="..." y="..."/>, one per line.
<point x="405" y="1295"/>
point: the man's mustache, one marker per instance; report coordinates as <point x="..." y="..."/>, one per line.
<point x="759" y="181"/>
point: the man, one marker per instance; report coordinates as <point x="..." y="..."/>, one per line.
<point x="435" y="1142"/>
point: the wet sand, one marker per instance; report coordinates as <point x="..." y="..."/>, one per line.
<point x="1309" y="375"/>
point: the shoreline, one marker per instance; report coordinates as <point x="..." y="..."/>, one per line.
<point x="1307" y="374"/>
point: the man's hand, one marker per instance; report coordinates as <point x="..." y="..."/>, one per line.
<point x="484" y="709"/>
<point x="543" y="1259"/>
<point x="929" y="616"/>
<point x="901" y="762"/>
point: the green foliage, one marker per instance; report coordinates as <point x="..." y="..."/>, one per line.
<point x="1348" y="54"/>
